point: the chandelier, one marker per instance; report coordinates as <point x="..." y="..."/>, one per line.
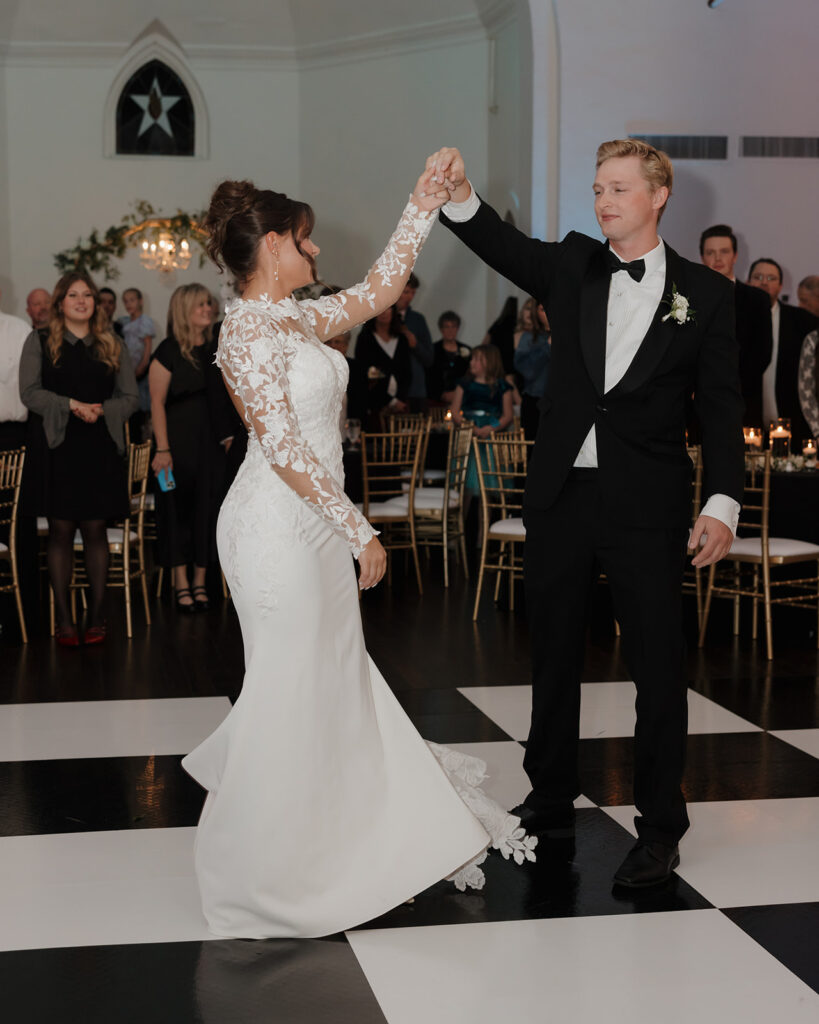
<point x="164" y="254"/>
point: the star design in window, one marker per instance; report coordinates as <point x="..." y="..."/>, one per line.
<point x="155" y="107"/>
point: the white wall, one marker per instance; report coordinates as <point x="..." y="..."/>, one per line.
<point x="748" y="67"/>
<point x="367" y="128"/>
<point x="60" y="186"/>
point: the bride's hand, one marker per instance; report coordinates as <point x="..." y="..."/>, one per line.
<point x="373" y="564"/>
<point x="429" y="194"/>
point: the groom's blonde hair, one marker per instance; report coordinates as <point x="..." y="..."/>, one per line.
<point x="656" y="165"/>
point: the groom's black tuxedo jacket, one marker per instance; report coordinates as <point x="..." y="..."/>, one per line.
<point x="644" y="469"/>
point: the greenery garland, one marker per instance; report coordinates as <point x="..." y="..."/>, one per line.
<point x="100" y="252"/>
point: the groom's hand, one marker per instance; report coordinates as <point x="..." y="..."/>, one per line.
<point x="714" y="536"/>
<point x="448" y="167"/>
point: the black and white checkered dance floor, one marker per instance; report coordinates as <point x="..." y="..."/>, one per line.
<point x="99" y="911"/>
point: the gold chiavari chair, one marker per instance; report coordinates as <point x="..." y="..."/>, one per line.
<point x="693" y="577"/>
<point x="438" y="414"/>
<point x="389" y="469"/>
<point x="439" y="511"/>
<point x="501" y="464"/>
<point x="126" y="543"/>
<point x="756" y="554"/>
<point x="11" y="475"/>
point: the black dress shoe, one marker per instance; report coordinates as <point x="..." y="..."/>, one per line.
<point x="647" y="864"/>
<point x="538" y="824"/>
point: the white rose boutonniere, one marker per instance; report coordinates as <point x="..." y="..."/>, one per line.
<point x="679" y="309"/>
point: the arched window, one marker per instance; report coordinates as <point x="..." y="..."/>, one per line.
<point x="155" y="114"/>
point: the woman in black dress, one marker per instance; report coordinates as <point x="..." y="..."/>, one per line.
<point x="80" y="389"/>
<point x="382" y="353"/>
<point x="186" y="444"/>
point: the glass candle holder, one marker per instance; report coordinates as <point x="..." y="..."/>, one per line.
<point x="753" y="439"/>
<point x="809" y="452"/>
<point x="780" y="438"/>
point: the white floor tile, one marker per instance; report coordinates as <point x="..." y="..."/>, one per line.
<point x="748" y="852"/>
<point x="99" y="888"/>
<point x="676" y="968"/>
<point x="606" y="709"/>
<point x="107" y="728"/>
<point x="507" y="782"/>
<point x="804" y="739"/>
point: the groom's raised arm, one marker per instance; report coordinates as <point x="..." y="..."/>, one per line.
<point x="527" y="262"/>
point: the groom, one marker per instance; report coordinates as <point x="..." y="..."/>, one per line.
<point x="635" y="330"/>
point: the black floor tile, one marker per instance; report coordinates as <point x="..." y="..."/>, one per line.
<point x="550" y="888"/>
<point x="97" y="794"/>
<point x="446" y="716"/>
<point x="770" y="701"/>
<point x="303" y="981"/>
<point x="720" y="766"/>
<point x="789" y="931"/>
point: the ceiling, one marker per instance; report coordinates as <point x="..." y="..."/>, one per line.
<point x="297" y="27"/>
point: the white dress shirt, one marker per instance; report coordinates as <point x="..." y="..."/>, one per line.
<point x="769" y="409"/>
<point x="631" y="308"/>
<point x="13" y="333"/>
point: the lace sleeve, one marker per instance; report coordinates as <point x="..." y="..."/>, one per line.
<point x="254" y="357"/>
<point x="809" y="382"/>
<point x="383" y="284"/>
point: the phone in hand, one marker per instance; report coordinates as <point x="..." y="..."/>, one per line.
<point x="166" y="480"/>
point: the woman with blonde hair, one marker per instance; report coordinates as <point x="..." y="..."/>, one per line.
<point x="80" y="392"/>
<point x="187" y="453"/>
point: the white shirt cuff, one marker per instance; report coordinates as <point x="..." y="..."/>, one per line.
<point x="459" y="212"/>
<point x="720" y="506"/>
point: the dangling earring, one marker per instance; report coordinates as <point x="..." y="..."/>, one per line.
<point x="276" y="274"/>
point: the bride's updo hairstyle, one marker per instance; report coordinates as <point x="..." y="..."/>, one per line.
<point x="239" y="217"/>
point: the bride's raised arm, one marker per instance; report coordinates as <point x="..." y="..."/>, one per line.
<point x="390" y="272"/>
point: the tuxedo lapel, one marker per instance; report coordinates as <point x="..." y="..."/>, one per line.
<point x="659" y="335"/>
<point x="594" y="299"/>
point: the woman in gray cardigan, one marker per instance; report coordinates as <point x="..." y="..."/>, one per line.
<point x="80" y="389"/>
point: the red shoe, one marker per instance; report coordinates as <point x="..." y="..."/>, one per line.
<point x="67" y="637"/>
<point x="94" y="635"/>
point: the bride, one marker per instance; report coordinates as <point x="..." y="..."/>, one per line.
<point x="325" y="807"/>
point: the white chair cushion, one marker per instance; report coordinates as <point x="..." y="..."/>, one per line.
<point x="3" y="547"/>
<point x="384" y="509"/>
<point x="508" y="527"/>
<point x="150" y="502"/>
<point x="778" y="547"/>
<point x="42" y="524"/>
<point x="115" y="536"/>
<point x="426" y="499"/>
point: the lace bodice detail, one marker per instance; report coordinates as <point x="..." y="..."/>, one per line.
<point x="291" y="386"/>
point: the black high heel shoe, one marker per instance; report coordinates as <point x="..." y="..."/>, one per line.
<point x="179" y="594"/>
<point x="201" y="604"/>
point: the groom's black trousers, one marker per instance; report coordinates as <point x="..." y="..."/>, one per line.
<point x="567" y="547"/>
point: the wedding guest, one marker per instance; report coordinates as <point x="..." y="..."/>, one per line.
<point x="718" y="250"/>
<point x="484" y="397"/>
<point x="186" y="445"/>
<point x="38" y="303"/>
<point x="808" y="294"/>
<point x="420" y="344"/>
<point x="13" y="414"/>
<point x="79" y="387"/>
<point x="501" y="333"/>
<point x="450" y="360"/>
<point x="780" y="382"/>
<point x="139" y="332"/>
<point x="809" y="383"/>
<point x="108" y="302"/>
<point x="533" y="353"/>
<point x="383" y="355"/>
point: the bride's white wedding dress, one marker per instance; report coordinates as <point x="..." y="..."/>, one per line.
<point x="325" y="807"/>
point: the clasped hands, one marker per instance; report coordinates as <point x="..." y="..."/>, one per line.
<point x="443" y="179"/>
<point x="88" y="412"/>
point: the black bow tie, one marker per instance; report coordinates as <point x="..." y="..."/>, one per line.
<point x="636" y="269"/>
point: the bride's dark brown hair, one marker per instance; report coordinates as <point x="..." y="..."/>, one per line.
<point x="240" y="215"/>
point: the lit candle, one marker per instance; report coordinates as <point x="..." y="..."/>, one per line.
<point x="753" y="437"/>
<point x="809" y="451"/>
<point x="448" y="414"/>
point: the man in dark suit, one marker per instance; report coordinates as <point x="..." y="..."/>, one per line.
<point x="635" y="330"/>
<point x="718" y="250"/>
<point x="780" y="381"/>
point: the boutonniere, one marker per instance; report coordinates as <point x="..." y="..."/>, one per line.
<point x="679" y="309"/>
